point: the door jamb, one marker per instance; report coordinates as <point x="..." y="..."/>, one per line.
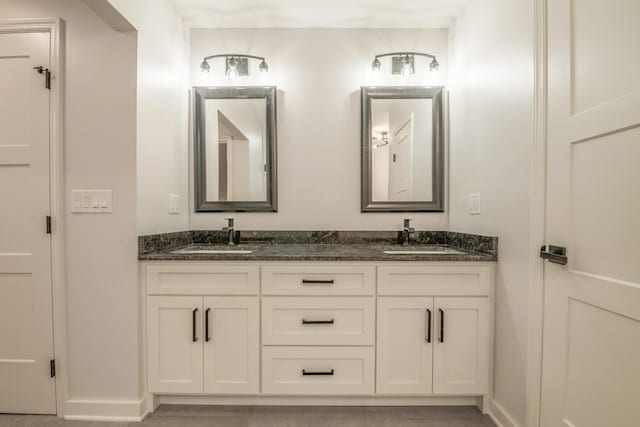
<point x="537" y="213"/>
<point x="55" y="27"/>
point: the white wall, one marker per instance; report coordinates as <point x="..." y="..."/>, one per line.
<point x="318" y="74"/>
<point x="162" y="113"/>
<point x="491" y="119"/>
<point x="100" y="152"/>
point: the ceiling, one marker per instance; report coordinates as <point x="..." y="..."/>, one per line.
<point x="319" y="13"/>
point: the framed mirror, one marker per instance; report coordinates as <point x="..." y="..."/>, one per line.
<point x="235" y="149"/>
<point x="402" y="149"/>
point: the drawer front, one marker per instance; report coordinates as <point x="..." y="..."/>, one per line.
<point x="435" y="280"/>
<point x="317" y="321"/>
<point x="305" y="279"/>
<point x="202" y="279"/>
<point x="317" y="370"/>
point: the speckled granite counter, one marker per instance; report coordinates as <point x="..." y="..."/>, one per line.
<point x="317" y="246"/>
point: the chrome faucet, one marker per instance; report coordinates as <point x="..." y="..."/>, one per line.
<point x="407" y="231"/>
<point x="231" y="232"/>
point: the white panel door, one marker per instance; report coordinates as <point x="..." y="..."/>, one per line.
<point x="591" y="359"/>
<point x="405" y="345"/>
<point x="231" y="345"/>
<point x="461" y="349"/>
<point x="175" y="339"/>
<point x="26" y="328"/>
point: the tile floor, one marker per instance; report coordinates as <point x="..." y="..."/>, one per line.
<point x="274" y="416"/>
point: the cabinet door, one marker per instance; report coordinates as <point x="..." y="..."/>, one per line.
<point x="461" y="350"/>
<point x="405" y="345"/>
<point x="231" y="347"/>
<point x="174" y="329"/>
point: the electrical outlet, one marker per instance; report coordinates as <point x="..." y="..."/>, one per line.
<point x="474" y="204"/>
<point x="174" y="204"/>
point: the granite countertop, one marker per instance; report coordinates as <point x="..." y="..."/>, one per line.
<point x="316" y="246"/>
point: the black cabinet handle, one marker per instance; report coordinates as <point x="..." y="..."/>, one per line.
<point x="317" y="282"/>
<point x="206" y="325"/>
<point x="194" y="333"/>
<point x="428" y="326"/>
<point x="305" y="372"/>
<point x="441" y="339"/>
<point x="318" y="322"/>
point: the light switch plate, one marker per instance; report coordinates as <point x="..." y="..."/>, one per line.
<point x="91" y="201"/>
<point x="174" y="204"/>
<point x="474" y="204"/>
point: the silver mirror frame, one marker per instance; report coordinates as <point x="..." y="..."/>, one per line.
<point x="200" y="95"/>
<point x="402" y="92"/>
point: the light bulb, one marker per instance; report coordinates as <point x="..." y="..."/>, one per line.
<point x="205" y="67"/>
<point x="263" y="67"/>
<point x="376" y="65"/>
<point x="407" y="66"/>
<point x="232" y="68"/>
<point x="434" y="65"/>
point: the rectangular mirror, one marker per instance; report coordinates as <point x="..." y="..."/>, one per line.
<point x="235" y="149"/>
<point x="402" y="149"/>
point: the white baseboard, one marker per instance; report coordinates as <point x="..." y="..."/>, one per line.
<point x="106" y="410"/>
<point x="316" y="400"/>
<point x="500" y="416"/>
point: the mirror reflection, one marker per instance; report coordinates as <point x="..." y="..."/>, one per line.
<point x="402" y="146"/>
<point x="235" y="149"/>
<point x="402" y="149"/>
<point x="236" y="165"/>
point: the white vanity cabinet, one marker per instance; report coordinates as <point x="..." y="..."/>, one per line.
<point x="434" y="346"/>
<point x="365" y="330"/>
<point x="208" y="343"/>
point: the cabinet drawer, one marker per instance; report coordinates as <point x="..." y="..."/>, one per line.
<point x="317" y="321"/>
<point x="306" y="279"/>
<point x="202" y="279"/>
<point x="317" y="370"/>
<point x="435" y="280"/>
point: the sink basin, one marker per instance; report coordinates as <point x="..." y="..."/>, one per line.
<point x="426" y="251"/>
<point x="212" y="251"/>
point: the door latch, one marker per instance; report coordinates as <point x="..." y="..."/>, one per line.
<point x="554" y="254"/>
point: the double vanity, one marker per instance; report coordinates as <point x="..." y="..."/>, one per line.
<point x="318" y="318"/>
<point x="307" y="317"/>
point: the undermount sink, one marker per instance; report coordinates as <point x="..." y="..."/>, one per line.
<point x="213" y="251"/>
<point x="429" y="251"/>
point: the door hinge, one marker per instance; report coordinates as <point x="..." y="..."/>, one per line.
<point x="52" y="367"/>
<point x="47" y="75"/>
<point x="48" y="224"/>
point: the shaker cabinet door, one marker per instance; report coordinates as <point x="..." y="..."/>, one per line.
<point x="231" y="345"/>
<point x="461" y="346"/>
<point x="405" y="345"/>
<point x="174" y="329"/>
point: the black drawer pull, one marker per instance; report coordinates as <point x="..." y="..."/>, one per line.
<point x="305" y="372"/>
<point x="318" y="322"/>
<point x="318" y="282"/>
<point x="428" y="326"/>
<point x="207" y="338"/>
<point x="441" y="311"/>
<point x="194" y="333"/>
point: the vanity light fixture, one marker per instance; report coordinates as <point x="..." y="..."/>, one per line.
<point x="236" y="64"/>
<point x="381" y="141"/>
<point x="404" y="62"/>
